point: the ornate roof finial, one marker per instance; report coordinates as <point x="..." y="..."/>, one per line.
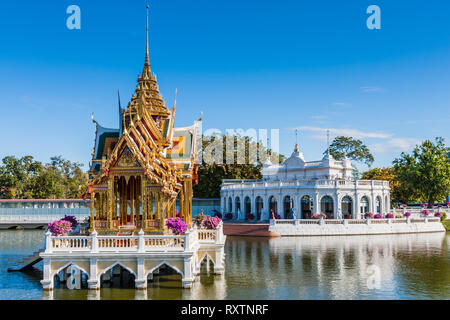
<point x="296" y="142"/>
<point x="328" y="142"/>
<point x="147" y="59"/>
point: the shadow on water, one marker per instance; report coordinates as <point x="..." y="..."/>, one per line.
<point x="413" y="266"/>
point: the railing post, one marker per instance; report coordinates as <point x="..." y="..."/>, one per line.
<point x="94" y="241"/>
<point x="141" y="242"/>
<point x="321" y="221"/>
<point x="48" y="242"/>
<point x="186" y="241"/>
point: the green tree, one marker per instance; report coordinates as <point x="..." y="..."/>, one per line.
<point x="211" y="173"/>
<point x="26" y="178"/>
<point x="426" y="170"/>
<point x="17" y="176"/>
<point x="400" y="192"/>
<point x="354" y="149"/>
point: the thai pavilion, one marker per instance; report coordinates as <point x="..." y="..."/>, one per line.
<point x="299" y="189"/>
<point x="139" y="170"/>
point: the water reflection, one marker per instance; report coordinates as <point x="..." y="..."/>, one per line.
<point x="412" y="266"/>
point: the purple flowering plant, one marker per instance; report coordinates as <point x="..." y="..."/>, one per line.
<point x="368" y="215"/>
<point x="176" y="225"/>
<point x="211" y="222"/>
<point x="389" y="215"/>
<point x="198" y="219"/>
<point x="249" y="216"/>
<point x="407" y="214"/>
<point x="60" y="227"/>
<point x="378" y="216"/>
<point x="425" y="212"/>
<point x="71" y="219"/>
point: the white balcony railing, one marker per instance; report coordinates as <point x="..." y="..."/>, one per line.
<point x="318" y="183"/>
<point x="141" y="243"/>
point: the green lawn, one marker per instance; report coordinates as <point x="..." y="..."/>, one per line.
<point x="446" y="224"/>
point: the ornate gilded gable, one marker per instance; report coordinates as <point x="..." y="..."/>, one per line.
<point x="127" y="159"/>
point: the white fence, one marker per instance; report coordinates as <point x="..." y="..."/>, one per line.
<point x="274" y="222"/>
<point x="140" y="243"/>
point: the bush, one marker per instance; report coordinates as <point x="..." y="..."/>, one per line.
<point x="378" y="216"/>
<point x="249" y="216"/>
<point x="176" y="225"/>
<point x="277" y="216"/>
<point x="60" y="227"/>
<point x="211" y="222"/>
<point x="407" y="214"/>
<point x="389" y="215"/>
<point x="228" y="216"/>
<point x="442" y="215"/>
<point x="368" y="215"/>
<point x="198" y="219"/>
<point x="319" y="215"/>
<point x="425" y="212"/>
<point x="71" y="219"/>
<point x="218" y="215"/>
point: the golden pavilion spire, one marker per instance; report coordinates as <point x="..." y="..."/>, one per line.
<point x="147" y="59"/>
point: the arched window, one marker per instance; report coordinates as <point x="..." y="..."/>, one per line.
<point x="378" y="204"/>
<point x="347" y="207"/>
<point x="364" y="205"/>
<point x="272" y="206"/>
<point x="259" y="207"/>
<point x="247" y="205"/>
<point x="307" y="207"/>
<point x="288" y="204"/>
<point x="237" y="206"/>
<point x="326" y="206"/>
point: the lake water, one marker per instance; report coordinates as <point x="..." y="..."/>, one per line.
<point x="414" y="266"/>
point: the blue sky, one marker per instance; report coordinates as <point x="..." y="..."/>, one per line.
<point x="312" y="65"/>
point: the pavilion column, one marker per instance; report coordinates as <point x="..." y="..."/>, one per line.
<point x="132" y="196"/>
<point x="182" y="210"/>
<point x="123" y="200"/>
<point x="98" y="213"/>
<point x="137" y="202"/>
<point x="114" y="206"/>
<point x="144" y="203"/>
<point x="92" y="209"/>
<point x="150" y="206"/>
<point x="110" y="202"/>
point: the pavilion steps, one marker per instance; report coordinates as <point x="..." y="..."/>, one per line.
<point x="28" y="262"/>
<point x="248" y="229"/>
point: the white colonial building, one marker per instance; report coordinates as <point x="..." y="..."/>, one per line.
<point x="299" y="189"/>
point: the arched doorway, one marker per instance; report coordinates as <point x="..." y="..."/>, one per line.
<point x="378" y="205"/>
<point x="247" y="206"/>
<point x="288" y="204"/>
<point x="364" y="205"/>
<point x="326" y="206"/>
<point x="237" y="207"/>
<point x="259" y="207"/>
<point x="272" y="206"/>
<point x="307" y="207"/>
<point x="347" y="207"/>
